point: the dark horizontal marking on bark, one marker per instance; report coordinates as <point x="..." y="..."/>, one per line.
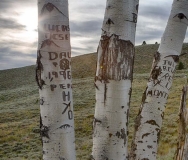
<point x="65" y="126"/>
<point x="96" y="120"/>
<point x="180" y="15"/>
<point x="149" y="146"/>
<point x="61" y="158"/>
<point x="152" y="122"/>
<point x="144" y="159"/>
<point x="175" y="58"/>
<point x="145" y="135"/>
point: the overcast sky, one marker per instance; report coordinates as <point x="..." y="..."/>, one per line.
<point x="18" y="27"/>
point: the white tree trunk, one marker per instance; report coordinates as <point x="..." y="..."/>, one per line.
<point x="53" y="75"/>
<point x="182" y="147"/>
<point x="113" y="80"/>
<point x="149" y="120"/>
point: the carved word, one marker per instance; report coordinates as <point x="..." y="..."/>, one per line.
<point x="157" y="93"/>
<point x="168" y="66"/>
<point x="55" y="55"/>
<point x="56" y="28"/>
<point x="64" y="74"/>
<point x="62" y="86"/>
<point x="55" y="36"/>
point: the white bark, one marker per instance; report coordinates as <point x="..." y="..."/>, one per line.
<point x="113" y="80"/>
<point x="149" y="120"/>
<point x="53" y="74"/>
<point x="182" y="147"/>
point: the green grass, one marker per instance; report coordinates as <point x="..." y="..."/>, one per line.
<point x="19" y="107"/>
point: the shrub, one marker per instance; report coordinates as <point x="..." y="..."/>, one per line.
<point x="180" y="66"/>
<point x="144" y="43"/>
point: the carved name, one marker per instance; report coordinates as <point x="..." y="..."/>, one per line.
<point x="157" y="93"/>
<point x="56" y="36"/>
<point x="56" y="28"/>
<point x="55" y="55"/>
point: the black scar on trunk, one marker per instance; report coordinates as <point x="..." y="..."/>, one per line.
<point x="152" y="122"/>
<point x="116" y="60"/>
<point x="43" y="129"/>
<point x="38" y="70"/>
<point x="105" y="91"/>
<point x="132" y="154"/>
<point x="175" y="58"/>
<point x="155" y="72"/>
<point x="122" y="135"/>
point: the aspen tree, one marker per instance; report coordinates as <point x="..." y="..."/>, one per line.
<point x="182" y="146"/>
<point x="149" y="119"/>
<point x="113" y="80"/>
<point x="53" y="75"/>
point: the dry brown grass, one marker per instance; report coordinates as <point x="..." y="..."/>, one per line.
<point x="19" y="108"/>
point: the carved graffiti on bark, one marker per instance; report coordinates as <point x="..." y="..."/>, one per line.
<point x="50" y="7"/>
<point x="116" y="59"/>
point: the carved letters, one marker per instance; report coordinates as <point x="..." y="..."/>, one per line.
<point x="164" y="79"/>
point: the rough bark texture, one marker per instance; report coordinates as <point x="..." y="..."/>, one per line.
<point x="116" y="59"/>
<point x="149" y="119"/>
<point x="182" y="146"/>
<point x="53" y="75"/>
<point x="113" y="80"/>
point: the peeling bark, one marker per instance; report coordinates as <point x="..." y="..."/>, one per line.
<point x="149" y="119"/>
<point x="116" y="59"/>
<point x="113" y="80"/>
<point x="53" y="76"/>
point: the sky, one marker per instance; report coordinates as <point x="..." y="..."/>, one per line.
<point x="18" y="27"/>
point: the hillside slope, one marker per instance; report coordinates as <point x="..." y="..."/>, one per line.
<point x="19" y="107"/>
<point x="83" y="66"/>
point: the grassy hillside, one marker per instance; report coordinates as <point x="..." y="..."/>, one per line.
<point x="19" y="107"/>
